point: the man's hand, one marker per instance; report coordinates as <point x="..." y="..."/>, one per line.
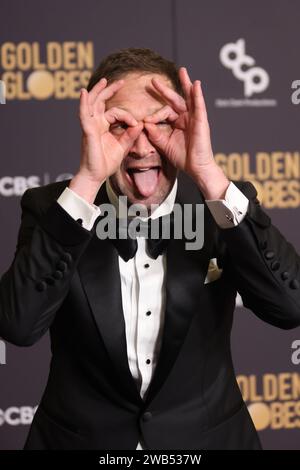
<point x="188" y="146"/>
<point x="101" y="152"/>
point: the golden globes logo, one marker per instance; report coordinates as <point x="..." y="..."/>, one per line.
<point x="55" y="70"/>
<point x="273" y="400"/>
<point x="275" y="175"/>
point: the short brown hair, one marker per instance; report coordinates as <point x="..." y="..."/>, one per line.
<point x="125" y="61"/>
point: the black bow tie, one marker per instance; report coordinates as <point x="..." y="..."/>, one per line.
<point x="157" y="232"/>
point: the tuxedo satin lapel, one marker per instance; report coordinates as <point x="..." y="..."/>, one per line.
<point x="186" y="272"/>
<point x="100" y="277"/>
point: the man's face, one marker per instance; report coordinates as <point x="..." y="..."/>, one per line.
<point x="145" y="176"/>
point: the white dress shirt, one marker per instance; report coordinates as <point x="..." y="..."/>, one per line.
<point x="143" y="278"/>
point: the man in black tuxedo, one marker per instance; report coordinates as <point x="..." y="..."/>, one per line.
<point x="140" y="339"/>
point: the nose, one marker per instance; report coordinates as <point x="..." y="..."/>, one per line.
<point x="142" y="146"/>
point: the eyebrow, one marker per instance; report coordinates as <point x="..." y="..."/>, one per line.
<point x="152" y="110"/>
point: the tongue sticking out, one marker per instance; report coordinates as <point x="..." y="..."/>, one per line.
<point x="146" y="181"/>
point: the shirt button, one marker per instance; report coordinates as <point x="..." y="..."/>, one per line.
<point x="147" y="416"/>
<point x="269" y="255"/>
<point x="67" y="257"/>
<point x="61" y="266"/>
<point x="275" y="265"/>
<point x="285" y="275"/>
<point x="148" y="313"/>
<point x="148" y="361"/>
<point x="50" y="280"/>
<point x="58" y="275"/>
<point x="147" y="265"/>
<point x="41" y="286"/>
<point x="294" y="284"/>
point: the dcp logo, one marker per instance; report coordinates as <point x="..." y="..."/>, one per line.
<point x="234" y="57"/>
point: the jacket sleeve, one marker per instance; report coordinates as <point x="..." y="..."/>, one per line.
<point x="264" y="265"/>
<point x="49" y="247"/>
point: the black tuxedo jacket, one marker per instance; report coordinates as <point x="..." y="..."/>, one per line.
<point x="63" y="278"/>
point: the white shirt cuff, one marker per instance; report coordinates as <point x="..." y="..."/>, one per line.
<point x="230" y="211"/>
<point x="79" y="208"/>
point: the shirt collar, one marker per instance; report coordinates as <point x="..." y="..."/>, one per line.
<point x="164" y="208"/>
